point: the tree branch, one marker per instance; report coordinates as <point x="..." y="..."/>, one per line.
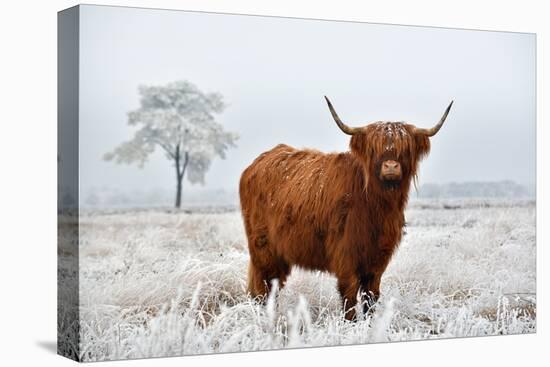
<point x="154" y="137"/>
<point x="165" y="147"/>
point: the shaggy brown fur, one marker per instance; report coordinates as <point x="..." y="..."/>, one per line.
<point x="330" y="212"/>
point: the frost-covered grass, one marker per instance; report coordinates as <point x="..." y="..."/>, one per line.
<point x="164" y="283"/>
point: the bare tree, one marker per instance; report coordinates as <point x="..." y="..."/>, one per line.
<point x="178" y="118"/>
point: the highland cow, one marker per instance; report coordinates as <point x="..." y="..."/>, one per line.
<point x="337" y="212"/>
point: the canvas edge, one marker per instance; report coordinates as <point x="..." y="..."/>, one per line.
<point x="68" y="320"/>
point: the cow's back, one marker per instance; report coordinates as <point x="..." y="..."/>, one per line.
<point x="261" y="171"/>
<point x="283" y="177"/>
<point x="295" y="200"/>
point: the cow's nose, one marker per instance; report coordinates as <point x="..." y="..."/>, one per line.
<point x="391" y="165"/>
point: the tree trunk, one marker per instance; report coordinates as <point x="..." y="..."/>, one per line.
<point x="178" y="177"/>
<point x="178" y="192"/>
<point x="180" y="172"/>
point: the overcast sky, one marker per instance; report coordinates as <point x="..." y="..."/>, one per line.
<point x="273" y="73"/>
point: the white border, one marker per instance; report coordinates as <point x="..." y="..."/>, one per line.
<point x="28" y="163"/>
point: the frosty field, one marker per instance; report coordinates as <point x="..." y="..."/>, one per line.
<point x="163" y="283"/>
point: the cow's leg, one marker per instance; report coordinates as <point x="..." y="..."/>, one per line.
<point x="260" y="278"/>
<point x="282" y="270"/>
<point x="348" y="286"/>
<point x="257" y="286"/>
<point x="370" y="290"/>
<point x="264" y="267"/>
<point x="258" y="248"/>
<point x="260" y="272"/>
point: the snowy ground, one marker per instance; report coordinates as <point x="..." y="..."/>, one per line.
<point x="164" y="283"/>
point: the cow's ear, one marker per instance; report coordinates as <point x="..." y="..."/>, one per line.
<point x="422" y="145"/>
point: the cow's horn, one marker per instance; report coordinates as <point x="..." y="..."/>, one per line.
<point x="345" y="128"/>
<point x="435" y="129"/>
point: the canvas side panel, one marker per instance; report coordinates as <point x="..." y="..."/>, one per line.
<point x="68" y="327"/>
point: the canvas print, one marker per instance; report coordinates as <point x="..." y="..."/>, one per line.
<point x="234" y="183"/>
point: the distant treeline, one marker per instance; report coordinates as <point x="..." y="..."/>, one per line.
<point x="111" y="197"/>
<point x="498" y="189"/>
<point x="119" y="198"/>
